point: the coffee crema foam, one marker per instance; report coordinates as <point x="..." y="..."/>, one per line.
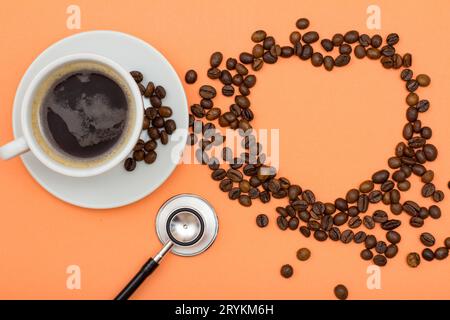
<point x="44" y="137"/>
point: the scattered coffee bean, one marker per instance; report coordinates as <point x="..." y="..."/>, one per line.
<point x="379" y="260"/>
<point x="287" y="271"/>
<point x="303" y="254"/>
<point x="441" y="253"/>
<point x="262" y="220"/>
<point x="413" y="259"/>
<point x="341" y="292"/>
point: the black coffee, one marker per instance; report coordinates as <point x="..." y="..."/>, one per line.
<point x="84" y="114"/>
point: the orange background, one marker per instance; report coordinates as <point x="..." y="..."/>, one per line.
<point x="336" y="129"/>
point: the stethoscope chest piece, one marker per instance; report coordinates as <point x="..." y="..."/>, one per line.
<point x="188" y="221"/>
<point x="186" y="225"/>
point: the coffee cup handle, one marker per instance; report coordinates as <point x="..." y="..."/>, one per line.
<point x="14" y="148"/>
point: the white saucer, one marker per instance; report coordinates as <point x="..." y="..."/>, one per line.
<point x="116" y="187"/>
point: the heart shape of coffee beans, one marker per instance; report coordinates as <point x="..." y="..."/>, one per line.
<point x="248" y="177"/>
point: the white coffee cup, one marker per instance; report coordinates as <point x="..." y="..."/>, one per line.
<point x="28" y="142"/>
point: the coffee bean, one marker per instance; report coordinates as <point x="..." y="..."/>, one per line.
<point x="327" y="45"/>
<point x="328" y="63"/>
<point x="287" y="271"/>
<point x="216" y="59"/>
<point x="341" y="204"/>
<point x="342" y="60"/>
<point x="337" y="39"/>
<point x="430" y="152"/>
<point x="302" y="23"/>
<point x="305" y="231"/>
<point x="423" y="105"/>
<point x="427" y="239"/>
<point x="334" y="234"/>
<point x="241" y="69"/>
<point x="310" y="37"/>
<point x="373" y="53"/>
<point x="360" y="52"/>
<point x="234" y="193"/>
<point x="375" y="196"/>
<point x="246" y="58"/>
<point x="231" y="63"/>
<point x="393" y="237"/>
<point x="366" y="186"/>
<point x="218" y="174"/>
<point x="428" y="176"/>
<point x="253" y="193"/>
<point x="368" y="222"/>
<point x="406" y="74"/>
<point x="441" y="253"/>
<point x="155" y="101"/>
<point x="282" y="222"/>
<point x="392" y="39"/>
<point x="160" y="92"/>
<point x="165" y="112"/>
<point x="411" y="208"/>
<point x="366" y="254"/>
<point x="387" y="51"/>
<point x="264" y="196"/>
<point x="363" y="203"/>
<point x="137" y="76"/>
<point x="412" y="85"/>
<point x="380" y="216"/>
<point x="428" y="254"/>
<point x="152" y="144"/>
<point x="423" y="80"/>
<point x="262" y="220"/>
<point x="391" y="251"/>
<point x="245" y="200"/>
<point x="226" y="185"/>
<point x="364" y="40"/>
<point x="164" y="137"/>
<point x="130" y="164"/>
<point x="327" y="222"/>
<point x="396" y="208"/>
<point x="258" y="36"/>
<point x="380" y="177"/>
<point x="138" y="155"/>
<point x="295" y="37"/>
<point x="426" y="132"/>
<point x="438" y="196"/>
<point x="428" y="189"/>
<point x="351" y="36"/>
<point x="413" y="259"/>
<point x="340" y="218"/>
<point x="391" y="224"/>
<point x="381" y="247"/>
<point x="149" y="89"/>
<point x="370" y="242"/>
<point x="447" y="242"/>
<point x="170" y="126"/>
<point x="287" y="52"/>
<point x="354" y="222"/>
<point x="352" y="195"/>
<point x="379" y="260"/>
<point x="150" y="157"/>
<point x="347" y="236"/>
<point x="303" y="254"/>
<point x="317" y="59"/>
<point x="207" y="92"/>
<point x="291" y="211"/>
<point x="359" y="237"/>
<point x="341" y="292"/>
<point x="306" y="52"/>
<point x="320" y="235"/>
<point x="269" y="58"/>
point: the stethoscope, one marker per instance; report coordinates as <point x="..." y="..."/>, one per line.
<point x="187" y="225"/>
